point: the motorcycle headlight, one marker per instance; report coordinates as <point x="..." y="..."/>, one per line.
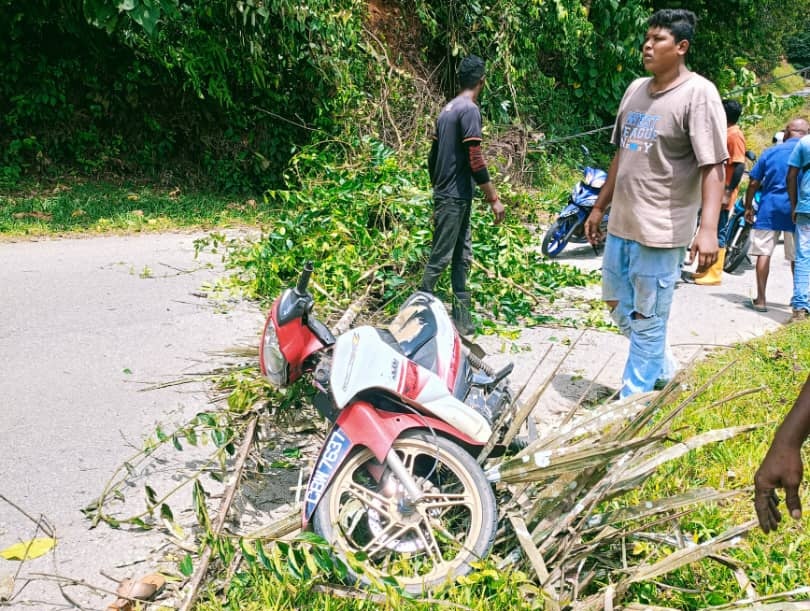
<point x="271" y="359"/>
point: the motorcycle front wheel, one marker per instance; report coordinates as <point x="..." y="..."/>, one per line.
<point x="422" y="544"/>
<point x="737" y="248"/>
<point x="557" y="235"/>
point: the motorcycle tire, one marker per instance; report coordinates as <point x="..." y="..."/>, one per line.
<point x="557" y="236"/>
<point x="421" y="545"/>
<point x="737" y="248"/>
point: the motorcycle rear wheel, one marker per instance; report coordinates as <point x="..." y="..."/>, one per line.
<point x="557" y="235"/>
<point x="737" y="248"/>
<point x="421" y="545"/>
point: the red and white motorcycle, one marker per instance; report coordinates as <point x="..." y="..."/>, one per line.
<point x="397" y="479"/>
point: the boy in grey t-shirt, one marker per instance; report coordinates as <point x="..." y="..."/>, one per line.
<point x="671" y="137"/>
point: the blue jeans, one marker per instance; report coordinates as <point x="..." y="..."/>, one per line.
<point x="642" y="282"/>
<point x="801" y="270"/>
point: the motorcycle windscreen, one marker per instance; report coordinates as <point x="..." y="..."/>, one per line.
<point x="595" y="178"/>
<point x="426" y="335"/>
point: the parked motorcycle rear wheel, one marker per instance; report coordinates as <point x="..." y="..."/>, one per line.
<point x="737" y="248"/>
<point x="422" y="545"/>
<point x="557" y="236"/>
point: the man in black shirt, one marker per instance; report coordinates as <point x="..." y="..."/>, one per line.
<point x="456" y="164"/>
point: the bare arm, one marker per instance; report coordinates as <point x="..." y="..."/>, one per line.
<point x="792" y="179"/>
<point x="705" y="242"/>
<point x="753" y="187"/>
<point x="782" y="465"/>
<point x="594" y="220"/>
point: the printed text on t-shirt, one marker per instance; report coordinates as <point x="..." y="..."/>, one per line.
<point x="638" y="131"/>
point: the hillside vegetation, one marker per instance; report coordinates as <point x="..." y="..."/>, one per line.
<point x="222" y="95"/>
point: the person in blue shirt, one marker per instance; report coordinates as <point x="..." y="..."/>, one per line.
<point x="768" y="176"/>
<point x="798" y="188"/>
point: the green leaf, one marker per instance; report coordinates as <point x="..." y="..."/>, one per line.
<point x="200" y="509"/>
<point x="248" y="551"/>
<point x="146" y="17"/>
<point x="140" y="523"/>
<point x="312" y="537"/>
<point x="186" y="566"/>
<point x="266" y="562"/>
<point x="207" y="419"/>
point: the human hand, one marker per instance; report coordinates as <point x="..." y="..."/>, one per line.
<point x="498" y="210"/>
<point x="781" y="468"/>
<point x="705" y="247"/>
<point x="593" y="227"/>
<point x="749" y="215"/>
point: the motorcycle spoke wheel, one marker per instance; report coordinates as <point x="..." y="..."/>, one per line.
<point x="737" y="249"/>
<point x="420" y="544"/>
<point x="556" y="237"/>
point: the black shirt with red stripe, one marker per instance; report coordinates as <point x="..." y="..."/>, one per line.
<point x="456" y="163"/>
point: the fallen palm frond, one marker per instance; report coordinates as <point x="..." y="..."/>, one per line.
<point x="568" y="520"/>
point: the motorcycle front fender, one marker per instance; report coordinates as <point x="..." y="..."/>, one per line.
<point x="361" y="424"/>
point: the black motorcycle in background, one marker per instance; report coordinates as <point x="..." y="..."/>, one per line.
<point x="738" y="230"/>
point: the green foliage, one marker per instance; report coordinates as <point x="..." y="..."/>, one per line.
<point x="742" y="84"/>
<point x="223" y="94"/>
<point x="553" y="65"/>
<point x="219" y="92"/>
<point x="797" y="49"/>
<point x="751" y="29"/>
<point x="375" y="218"/>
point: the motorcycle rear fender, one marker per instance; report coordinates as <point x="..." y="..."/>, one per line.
<point x="361" y="424"/>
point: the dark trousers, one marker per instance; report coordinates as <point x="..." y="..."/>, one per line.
<point x="721" y="228"/>
<point x="452" y="244"/>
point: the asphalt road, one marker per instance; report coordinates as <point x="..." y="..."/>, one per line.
<point x="87" y="324"/>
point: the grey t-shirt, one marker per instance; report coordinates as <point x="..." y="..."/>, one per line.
<point x="459" y="122"/>
<point x="664" y="139"/>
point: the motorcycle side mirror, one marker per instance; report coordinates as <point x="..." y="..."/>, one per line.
<point x="751" y="155"/>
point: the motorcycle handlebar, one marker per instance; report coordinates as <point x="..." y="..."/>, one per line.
<point x="303" y="281"/>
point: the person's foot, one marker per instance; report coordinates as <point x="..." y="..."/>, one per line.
<point x="798" y="315"/>
<point x="756" y="306"/>
<point x="462" y="318"/>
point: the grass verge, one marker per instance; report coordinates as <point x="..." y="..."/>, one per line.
<point x="99" y="207"/>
